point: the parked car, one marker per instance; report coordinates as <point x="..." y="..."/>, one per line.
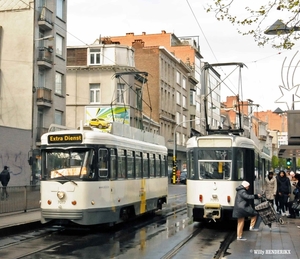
<point x="183" y="176"/>
<point x="100" y="123"/>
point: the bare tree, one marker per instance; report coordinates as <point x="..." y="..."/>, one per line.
<point x="251" y="22"/>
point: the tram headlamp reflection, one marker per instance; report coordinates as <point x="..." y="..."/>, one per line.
<point x="60" y="195"/>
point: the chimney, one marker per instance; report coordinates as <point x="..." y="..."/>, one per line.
<point x="163" y="32"/>
<point x="129" y="33"/>
<point x="143" y="33"/>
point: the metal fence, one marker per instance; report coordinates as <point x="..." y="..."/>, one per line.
<point x="21" y="198"/>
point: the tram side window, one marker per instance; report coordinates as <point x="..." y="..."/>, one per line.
<point x="152" y="165"/>
<point x="158" y="166"/>
<point x="164" y="166"/>
<point x="113" y="163"/>
<point x="103" y="163"/>
<point x="190" y="159"/>
<point x="138" y="164"/>
<point x="146" y="165"/>
<point x="240" y="164"/>
<point x="121" y="163"/>
<point x="130" y="165"/>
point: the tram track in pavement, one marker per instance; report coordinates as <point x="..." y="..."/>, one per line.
<point x="208" y="246"/>
<point x="29" y="242"/>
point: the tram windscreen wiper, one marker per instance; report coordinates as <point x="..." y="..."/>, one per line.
<point x="70" y="180"/>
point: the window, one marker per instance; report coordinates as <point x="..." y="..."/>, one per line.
<point x="184" y="83"/>
<point x="120" y="93"/>
<point x="60" y="8"/>
<point x="113" y="163"/>
<point x="183" y="121"/>
<point x="41" y="79"/>
<point x="94" y="93"/>
<point x="192" y="98"/>
<point x="103" y="162"/>
<point x="95" y="55"/>
<point x="152" y="165"/>
<point x="58" y="117"/>
<point x="138" y="164"/>
<point x="121" y="163"/>
<point x="178" y="118"/>
<point x="145" y="165"/>
<point x="178" y="101"/>
<point x="184" y="101"/>
<point x="139" y="101"/>
<point x="158" y="166"/>
<point x="58" y="83"/>
<point x="59" y="45"/>
<point x="177" y="77"/>
<point x="130" y="164"/>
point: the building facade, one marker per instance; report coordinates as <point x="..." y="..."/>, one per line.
<point x="32" y="82"/>
<point x="180" y="114"/>
<point x="103" y="83"/>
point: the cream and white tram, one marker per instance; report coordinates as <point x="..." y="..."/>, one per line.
<point x="217" y="164"/>
<point x="91" y="177"/>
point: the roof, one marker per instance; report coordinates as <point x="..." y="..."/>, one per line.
<point x="288" y="151"/>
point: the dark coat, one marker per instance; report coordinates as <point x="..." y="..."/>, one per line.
<point x="242" y="206"/>
<point x="4" y="177"/>
<point x="283" y="185"/>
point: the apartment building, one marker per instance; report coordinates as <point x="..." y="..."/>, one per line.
<point x="187" y="49"/>
<point x="103" y="83"/>
<point x="32" y="82"/>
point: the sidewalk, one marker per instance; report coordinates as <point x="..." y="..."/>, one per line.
<point x="281" y="242"/>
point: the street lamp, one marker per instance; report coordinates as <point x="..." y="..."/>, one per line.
<point x="174" y="150"/>
<point x="280" y="28"/>
<point x="50" y="37"/>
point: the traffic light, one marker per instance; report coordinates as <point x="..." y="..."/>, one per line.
<point x="288" y="163"/>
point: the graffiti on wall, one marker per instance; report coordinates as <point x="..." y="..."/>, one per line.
<point x="18" y="166"/>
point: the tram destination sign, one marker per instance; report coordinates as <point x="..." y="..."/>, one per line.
<point x="65" y="138"/>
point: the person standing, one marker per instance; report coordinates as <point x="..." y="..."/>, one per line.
<point x="284" y="191"/>
<point x="242" y="208"/>
<point x="4" y="179"/>
<point x="295" y="195"/>
<point x="270" y="187"/>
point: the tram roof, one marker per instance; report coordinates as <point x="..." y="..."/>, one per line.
<point x="237" y="141"/>
<point x="119" y="132"/>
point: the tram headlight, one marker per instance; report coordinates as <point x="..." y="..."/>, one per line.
<point x="60" y="195"/>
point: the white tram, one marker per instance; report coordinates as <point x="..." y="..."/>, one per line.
<point x="91" y="177"/>
<point x="217" y="164"/>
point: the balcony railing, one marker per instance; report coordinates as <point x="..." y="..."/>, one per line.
<point x="45" y="57"/>
<point x="43" y="97"/>
<point x="45" y="20"/>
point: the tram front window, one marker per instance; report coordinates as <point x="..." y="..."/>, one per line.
<point x="214" y="170"/>
<point x="68" y="163"/>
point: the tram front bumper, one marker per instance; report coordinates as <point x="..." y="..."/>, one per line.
<point x="212" y="211"/>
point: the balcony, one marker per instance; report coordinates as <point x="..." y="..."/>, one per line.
<point x="45" y="19"/>
<point x="43" y="98"/>
<point x="45" y="57"/>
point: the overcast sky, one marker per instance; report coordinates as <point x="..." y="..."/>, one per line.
<point x="219" y="41"/>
